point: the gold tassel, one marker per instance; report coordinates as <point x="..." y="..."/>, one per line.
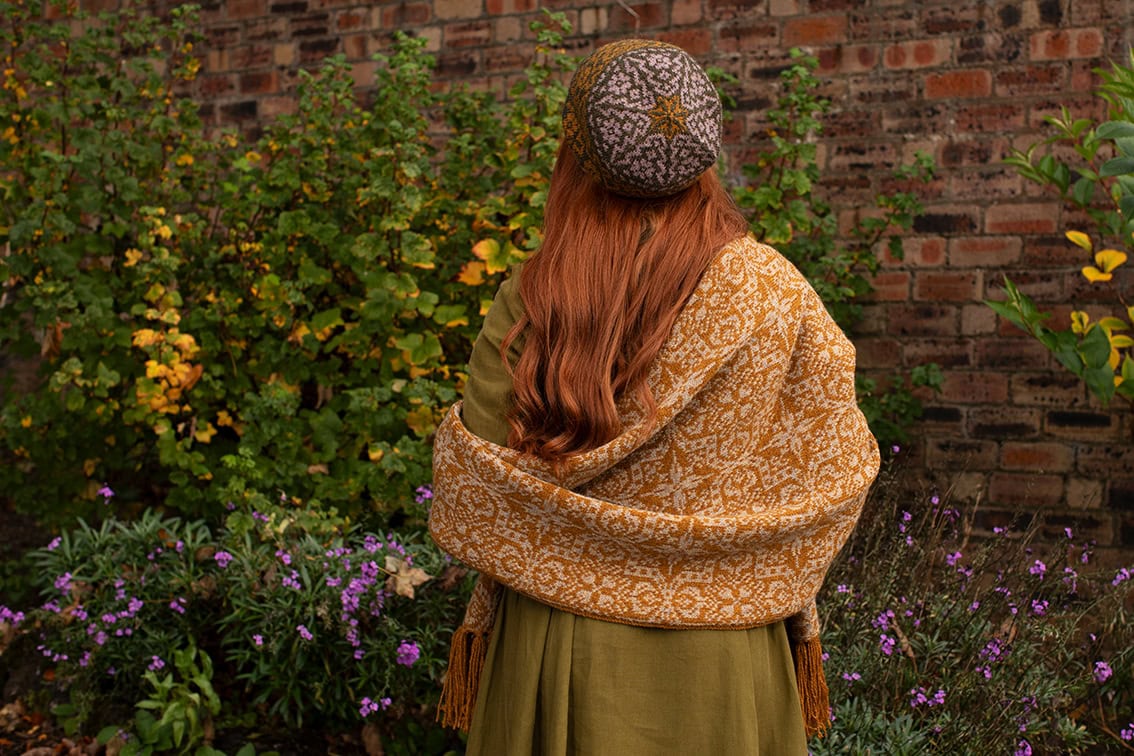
<point x="458" y="695"/>
<point x="813" y="694"/>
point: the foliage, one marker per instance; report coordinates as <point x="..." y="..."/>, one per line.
<point x="1098" y="181"/>
<point x="944" y="642"/>
<point x="782" y="197"/>
<point x="309" y="624"/>
<point x="213" y="318"/>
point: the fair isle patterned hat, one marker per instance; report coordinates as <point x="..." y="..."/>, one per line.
<point x="643" y="118"/>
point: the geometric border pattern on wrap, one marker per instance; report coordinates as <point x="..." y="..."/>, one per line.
<point x="607" y="123"/>
<point x="726" y="512"/>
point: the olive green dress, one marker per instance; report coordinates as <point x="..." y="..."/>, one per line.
<point x="555" y="683"/>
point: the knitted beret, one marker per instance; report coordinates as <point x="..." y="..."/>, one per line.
<point x="643" y="118"/>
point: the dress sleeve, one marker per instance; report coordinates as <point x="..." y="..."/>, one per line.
<point x="488" y="390"/>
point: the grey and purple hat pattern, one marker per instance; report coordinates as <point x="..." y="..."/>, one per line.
<point x="643" y="118"/>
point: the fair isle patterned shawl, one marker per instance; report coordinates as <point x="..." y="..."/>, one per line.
<point x="725" y="511"/>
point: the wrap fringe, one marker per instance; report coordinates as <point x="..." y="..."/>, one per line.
<point x="813" y="694"/>
<point x="466" y="661"/>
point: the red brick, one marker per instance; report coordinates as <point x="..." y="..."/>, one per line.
<point x="923" y="320"/>
<point x="469" y="34"/>
<point x="858" y="156"/>
<point x="1106" y="461"/>
<point x="259" y="82"/>
<point x="957" y="85"/>
<point x="921" y="251"/>
<point x="1037" y="456"/>
<point x="959" y="454"/>
<point x="213" y="86"/>
<point x="947" y="219"/>
<point x="990" y="183"/>
<point x="997" y="117"/>
<point x="635" y="17"/>
<point x="746" y="34"/>
<point x="967" y="387"/>
<point x="994" y="48"/>
<point x="954" y="18"/>
<point x="696" y="42"/>
<point x="406" y="14"/>
<point x="351" y="20"/>
<point x="949" y="287"/>
<point x="893" y="286"/>
<point x="1022" y="353"/>
<point x="1063" y="44"/>
<point x="924" y="53"/>
<point x="508" y="58"/>
<point x="968" y="151"/>
<point x="1084" y="493"/>
<point x="1032" y="80"/>
<point x="983" y="251"/>
<point x="251" y="56"/>
<point x="685" y="12"/>
<point x="451" y="9"/>
<point x="1050" y="389"/>
<point x="1031" y="218"/>
<point x="500" y="7"/>
<point x="1083" y="425"/>
<point x="1028" y="490"/>
<point x="238" y="10"/>
<point x="845" y="59"/>
<point x="949" y="353"/>
<point x="815" y="30"/>
<point x="977" y="320"/>
<point x="877" y="353"/>
<point x="724" y="9"/>
<point x="879" y="91"/>
<point x="354" y="46"/>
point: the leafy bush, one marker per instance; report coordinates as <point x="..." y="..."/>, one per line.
<point x="943" y="642"/>
<point x="281" y="614"/>
<point x="212" y="317"/>
<point x="215" y="317"/>
<point x="1097" y="180"/>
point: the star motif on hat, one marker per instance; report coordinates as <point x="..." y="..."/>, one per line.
<point x="667" y="116"/>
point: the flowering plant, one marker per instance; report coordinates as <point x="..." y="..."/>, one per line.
<point x="297" y="624"/>
<point x="944" y="639"/>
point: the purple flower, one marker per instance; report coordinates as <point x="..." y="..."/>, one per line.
<point x="178" y="605"/>
<point x="1127" y="732"/>
<point x="1039" y="608"/>
<point x="895" y="448"/>
<point x="408" y="653"/>
<point x="54" y="543"/>
<point x="229" y="506"/>
<point x="423" y="494"/>
<point x="223" y="558"/>
<point x="886" y="643"/>
<point x="1038" y="568"/>
<point x="63" y="582"/>
<point x="1102" y="671"/>
<point x="106" y="493"/>
<point x="1067" y="532"/>
<point x="10" y="617"/>
<point x="842" y="588"/>
<point x="1120" y="577"/>
<point x="304" y="633"/>
<point x="261" y="517"/>
<point x="156" y="663"/>
<point x="851" y="676"/>
<point x="1023" y="748"/>
<point x="258" y="639"/>
<point x="920" y="697"/>
<point x="283" y="556"/>
<point x="935" y="499"/>
<point x="953" y="558"/>
<point x="292" y="581"/>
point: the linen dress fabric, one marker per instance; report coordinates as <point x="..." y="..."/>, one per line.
<point x="723" y="512"/>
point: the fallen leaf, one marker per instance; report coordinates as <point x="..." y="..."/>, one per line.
<point x="404" y="578"/>
<point x="372" y="740"/>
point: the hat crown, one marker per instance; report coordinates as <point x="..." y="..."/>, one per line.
<point x="643" y="118"/>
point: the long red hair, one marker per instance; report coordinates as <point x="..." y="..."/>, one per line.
<point x="600" y="297"/>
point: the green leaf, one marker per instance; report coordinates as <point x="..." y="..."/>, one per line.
<point x="1119" y="166"/>
<point x="1115" y="129"/>
<point x="327" y="319"/>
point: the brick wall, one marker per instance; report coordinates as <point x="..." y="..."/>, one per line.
<point x="964" y="80"/>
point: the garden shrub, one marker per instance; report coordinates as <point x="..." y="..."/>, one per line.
<point x="1097" y="181"/>
<point x="943" y="642"/>
<point x="217" y="317"/>
<point x="280" y="613"/>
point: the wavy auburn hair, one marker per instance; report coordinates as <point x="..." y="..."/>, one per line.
<point x="600" y="297"/>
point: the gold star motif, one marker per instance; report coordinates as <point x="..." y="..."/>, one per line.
<point x="667" y="116"/>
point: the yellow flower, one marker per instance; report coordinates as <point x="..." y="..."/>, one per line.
<point x="25" y="421"/>
<point x="1106" y="261"/>
<point x="185" y="160"/>
<point x="1080" y="322"/>
<point x="133" y="256"/>
<point x="164" y="231"/>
